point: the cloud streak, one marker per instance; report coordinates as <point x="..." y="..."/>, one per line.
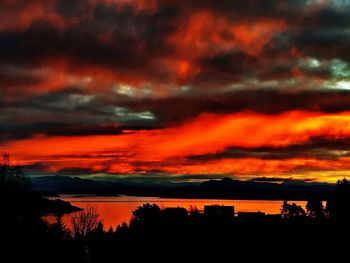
<point x="174" y="150"/>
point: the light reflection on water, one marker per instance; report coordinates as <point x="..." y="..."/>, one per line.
<point x="116" y="210"/>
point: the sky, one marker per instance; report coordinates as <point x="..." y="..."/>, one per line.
<point x="177" y="90"/>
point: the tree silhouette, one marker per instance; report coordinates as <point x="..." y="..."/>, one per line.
<point x="12" y="179"/>
<point x="315" y="208"/>
<point x="146" y="214"/>
<point x="58" y="230"/>
<point x="291" y="211"/>
<point x="193" y="211"/>
<point x="338" y="206"/>
<point x="85" y="222"/>
<point x="122" y="229"/>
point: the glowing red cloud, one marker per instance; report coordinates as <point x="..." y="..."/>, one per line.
<point x="253" y="166"/>
<point x="58" y="73"/>
<point x="205" y="34"/>
<point x="167" y="149"/>
<point x="20" y="15"/>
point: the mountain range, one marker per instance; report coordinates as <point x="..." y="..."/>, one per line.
<point x="225" y="188"/>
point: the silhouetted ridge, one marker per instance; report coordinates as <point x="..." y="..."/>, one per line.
<point x="225" y="188"/>
<point x="67" y="185"/>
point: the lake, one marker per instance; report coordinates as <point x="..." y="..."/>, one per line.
<point x="114" y="210"/>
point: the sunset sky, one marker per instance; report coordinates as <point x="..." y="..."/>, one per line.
<point x="177" y="90"/>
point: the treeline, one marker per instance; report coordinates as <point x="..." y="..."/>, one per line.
<point x="169" y="235"/>
<point x="155" y="234"/>
<point x="337" y="208"/>
<point x="16" y="197"/>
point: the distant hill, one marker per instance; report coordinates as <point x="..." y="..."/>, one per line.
<point x="67" y="185"/>
<point x="228" y="188"/>
<point x="225" y="188"/>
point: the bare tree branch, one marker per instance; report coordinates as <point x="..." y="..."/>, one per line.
<point x="85" y="222"/>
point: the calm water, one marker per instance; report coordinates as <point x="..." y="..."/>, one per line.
<point x="116" y="210"/>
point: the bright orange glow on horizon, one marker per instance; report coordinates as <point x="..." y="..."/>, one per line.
<point x="167" y="149"/>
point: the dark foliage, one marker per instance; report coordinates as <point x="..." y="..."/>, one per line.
<point x="338" y="206"/>
<point x="170" y="234"/>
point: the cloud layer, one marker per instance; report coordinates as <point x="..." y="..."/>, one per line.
<point x="242" y="88"/>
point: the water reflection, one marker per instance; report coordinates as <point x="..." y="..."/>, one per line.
<point x="116" y="210"/>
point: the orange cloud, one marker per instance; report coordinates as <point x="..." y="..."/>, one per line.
<point x="19" y="15"/>
<point x="58" y="73"/>
<point x="254" y="166"/>
<point x="248" y="168"/>
<point x="167" y="149"/>
<point x="210" y="133"/>
<point x="253" y="36"/>
<point x="205" y="34"/>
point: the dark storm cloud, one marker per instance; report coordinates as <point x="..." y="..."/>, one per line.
<point x="68" y="112"/>
<point x="72" y="8"/>
<point x="135" y="42"/>
<point x="227" y="67"/>
<point x="271" y="101"/>
<point x="243" y="8"/>
<point x="111" y="37"/>
<point x="56" y="113"/>
<point x="318" y="148"/>
<point x="121" y="38"/>
<point x="54" y="128"/>
<point x="11" y="78"/>
<point x="324" y="43"/>
<point x="324" y="35"/>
